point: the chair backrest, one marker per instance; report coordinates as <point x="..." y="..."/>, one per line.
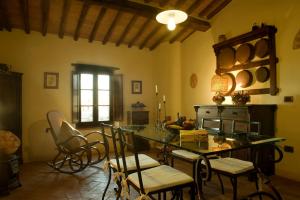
<point x="121" y="134"/>
<point x="55" y="119"/>
<point x="112" y="132"/>
<point x="212" y="124"/>
<point x="244" y="126"/>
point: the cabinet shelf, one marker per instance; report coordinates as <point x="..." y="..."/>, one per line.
<point x="245" y="66"/>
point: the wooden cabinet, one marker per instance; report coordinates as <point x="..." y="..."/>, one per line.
<point x="138" y="117"/>
<point x="265" y="114"/>
<point x="10" y="104"/>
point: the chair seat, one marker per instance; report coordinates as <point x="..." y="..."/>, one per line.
<point x="186" y="154"/>
<point x="145" y="162"/>
<point x="160" y="177"/>
<point x="231" y="165"/>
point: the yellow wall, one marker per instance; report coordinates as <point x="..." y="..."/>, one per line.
<point x="33" y="55"/>
<point x="168" y="77"/>
<point x="197" y="57"/>
<point x="237" y="18"/>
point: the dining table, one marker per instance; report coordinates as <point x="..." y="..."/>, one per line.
<point x="207" y="144"/>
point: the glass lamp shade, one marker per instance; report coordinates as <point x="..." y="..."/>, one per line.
<point x="171" y="18"/>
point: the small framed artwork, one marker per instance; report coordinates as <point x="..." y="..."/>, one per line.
<point x="136" y="87"/>
<point x="51" y="80"/>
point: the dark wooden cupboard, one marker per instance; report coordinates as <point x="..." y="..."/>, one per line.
<point x="140" y="117"/>
<point x="11" y="104"/>
<point x="265" y="114"/>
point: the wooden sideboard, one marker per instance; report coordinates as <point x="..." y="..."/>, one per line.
<point x="265" y="114"/>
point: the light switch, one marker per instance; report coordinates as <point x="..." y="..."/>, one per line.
<point x="288" y="99"/>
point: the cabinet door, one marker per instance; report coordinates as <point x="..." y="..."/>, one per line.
<point x="140" y="117"/>
<point x="10" y="104"/>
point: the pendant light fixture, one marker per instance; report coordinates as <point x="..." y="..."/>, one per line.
<point x="171" y="18"/>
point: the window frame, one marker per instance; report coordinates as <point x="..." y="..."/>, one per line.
<point x="95" y="71"/>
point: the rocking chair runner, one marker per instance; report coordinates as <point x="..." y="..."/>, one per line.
<point x="75" y="151"/>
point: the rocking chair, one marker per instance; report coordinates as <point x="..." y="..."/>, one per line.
<point x="75" y="151"/>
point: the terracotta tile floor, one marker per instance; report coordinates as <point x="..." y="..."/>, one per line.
<point x="40" y="182"/>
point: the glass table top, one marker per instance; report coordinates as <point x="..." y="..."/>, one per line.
<point x="201" y="141"/>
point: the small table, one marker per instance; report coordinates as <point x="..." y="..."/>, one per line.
<point x="204" y="145"/>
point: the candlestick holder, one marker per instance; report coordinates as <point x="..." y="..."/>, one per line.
<point x="157" y="123"/>
<point x="165" y="111"/>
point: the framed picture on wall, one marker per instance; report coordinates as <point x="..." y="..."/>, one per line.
<point x="51" y="80"/>
<point x="136" y="87"/>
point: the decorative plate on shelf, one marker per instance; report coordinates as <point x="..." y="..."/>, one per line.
<point x="226" y="58"/>
<point x="262" y="48"/>
<point x="244" y="78"/>
<point x="245" y="53"/>
<point x="262" y="74"/>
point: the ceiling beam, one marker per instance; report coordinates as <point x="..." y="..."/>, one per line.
<point x="127" y="29"/>
<point x="100" y="16"/>
<point x="25" y="12"/>
<point x="112" y="26"/>
<point x="218" y="9"/>
<point x="207" y="9"/>
<point x="45" y="4"/>
<point x="66" y="7"/>
<point x="164" y="36"/>
<point x="178" y="35"/>
<point x="150" y="35"/>
<point x="139" y="33"/>
<point x="5" y="22"/>
<point x="188" y="35"/>
<point x="84" y="11"/>
<point x="150" y="12"/>
<point x="179" y="3"/>
<point x="194" y="6"/>
<point x="163" y="3"/>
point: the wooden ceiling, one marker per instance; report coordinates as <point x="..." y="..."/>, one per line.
<point x="130" y="23"/>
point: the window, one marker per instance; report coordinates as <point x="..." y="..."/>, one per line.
<point x="97" y="95"/>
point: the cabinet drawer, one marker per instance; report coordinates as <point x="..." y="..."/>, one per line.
<point x="207" y="112"/>
<point x="235" y="113"/>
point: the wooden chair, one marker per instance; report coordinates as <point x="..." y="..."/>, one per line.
<point x="75" y="151"/>
<point x="116" y="164"/>
<point x="155" y="180"/>
<point x="209" y="124"/>
<point x="233" y="167"/>
<point x="248" y="127"/>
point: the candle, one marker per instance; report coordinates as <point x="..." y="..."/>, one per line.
<point x="164" y="98"/>
<point x="159" y="106"/>
<point x="156" y="89"/>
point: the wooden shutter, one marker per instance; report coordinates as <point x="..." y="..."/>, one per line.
<point x="117" y="96"/>
<point x="75" y="97"/>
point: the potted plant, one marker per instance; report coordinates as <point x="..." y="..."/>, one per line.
<point x="9" y="144"/>
<point x="240" y="98"/>
<point x="218" y="98"/>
